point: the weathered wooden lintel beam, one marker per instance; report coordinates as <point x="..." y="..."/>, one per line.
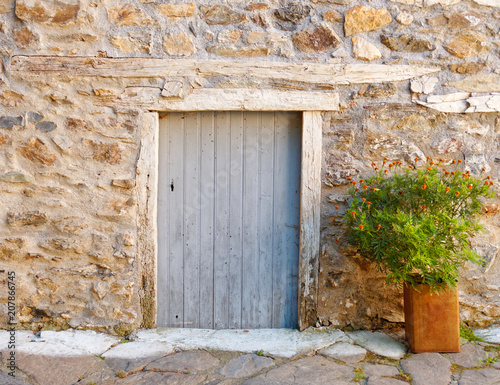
<point x="312" y="73"/>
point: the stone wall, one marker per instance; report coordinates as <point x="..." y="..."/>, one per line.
<point x="70" y="144"/>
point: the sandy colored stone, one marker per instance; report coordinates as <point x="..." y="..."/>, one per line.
<point x="488" y="3"/>
<point x="127" y="15"/>
<point x="129" y="44"/>
<point x="10" y="98"/>
<point x="467" y="45"/>
<point x="229" y="36"/>
<point x="404" y="18"/>
<point x="221" y="14"/>
<point x="36" y="151"/>
<point x="178" y="44"/>
<point x="176" y="10"/>
<point x="48" y="11"/>
<point x="28" y="218"/>
<point x="257" y="7"/>
<point x="316" y="39"/>
<point x="478" y="83"/>
<point x="437" y="21"/>
<point x="406" y="43"/>
<point x="467" y="68"/>
<point x="235" y="52"/>
<point x="413" y="122"/>
<point x="6" y="6"/>
<point x="105" y="152"/>
<point x="364" y="18"/>
<point x="16" y="177"/>
<point x="364" y="50"/>
<point x="24" y="37"/>
<point x="332" y="16"/>
<point x="344" y="351"/>
<point x="469" y="19"/>
<point x="257" y="37"/>
<point x="123" y="183"/>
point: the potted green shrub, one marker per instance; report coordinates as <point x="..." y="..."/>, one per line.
<point x="415" y="224"/>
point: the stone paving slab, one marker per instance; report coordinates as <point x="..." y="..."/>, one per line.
<point x="139" y="349"/>
<point x="379" y="343"/>
<point x="428" y="368"/>
<point x="185" y="362"/>
<point x="306" y="371"/>
<point x="285" y="343"/>
<point x="245" y="366"/>
<point x="480" y="377"/>
<point x="471" y="355"/>
<point x="345" y="352"/>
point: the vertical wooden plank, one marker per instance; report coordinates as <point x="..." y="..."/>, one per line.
<point x="207" y="204"/>
<point x="163" y="222"/>
<point x="235" y="219"/>
<point x="175" y="197"/>
<point x="310" y="202"/>
<point x="286" y="223"/>
<point x="250" y="285"/>
<point x="221" y="223"/>
<point x="265" y="223"/>
<point x="147" y="230"/>
<point x="191" y="220"/>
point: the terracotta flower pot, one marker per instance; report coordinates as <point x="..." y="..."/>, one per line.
<point x="432" y="322"/>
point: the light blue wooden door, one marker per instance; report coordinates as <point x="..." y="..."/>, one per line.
<point x="228" y="219"/>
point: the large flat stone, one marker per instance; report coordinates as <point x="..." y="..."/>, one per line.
<point x="5" y="379"/>
<point x="471" y="355"/>
<point x="155" y="378"/>
<point x="48" y="370"/>
<point x="310" y="370"/>
<point x="478" y="83"/>
<point x="379" y="343"/>
<point x="373" y="370"/>
<point x="192" y="362"/>
<point x="139" y="349"/>
<point x="275" y="342"/>
<point x="480" y="377"/>
<point x="362" y="18"/>
<point x="245" y="366"/>
<point x="344" y="351"/>
<point x="428" y="368"/>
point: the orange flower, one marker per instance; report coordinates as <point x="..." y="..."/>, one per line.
<point x="483" y="169"/>
<point x="447" y="189"/>
<point x="379" y="225"/>
<point x="457" y="192"/>
<point x="333" y="220"/>
<point x="491" y="183"/>
<point x="441" y="159"/>
<point x="365" y="186"/>
<point x="424" y="186"/>
<point x="453" y="173"/>
<point x="363" y="199"/>
<point x="428" y="157"/>
<point x="400" y="192"/>
<point x="460" y="161"/>
<point x="469" y="186"/>
<point x="486" y="182"/>
<point x="424" y="207"/>
<point x="368" y="203"/>
<point x="337" y="207"/>
<point x="353" y="213"/>
<point x="429" y="168"/>
<point x="353" y="182"/>
<point x="416" y="159"/>
<point x="361" y="227"/>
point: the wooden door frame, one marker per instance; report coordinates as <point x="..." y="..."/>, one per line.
<point x="310" y="104"/>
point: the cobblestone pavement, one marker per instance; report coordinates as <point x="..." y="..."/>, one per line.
<point x="271" y="357"/>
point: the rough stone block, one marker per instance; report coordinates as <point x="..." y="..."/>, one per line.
<point x="467" y="45"/>
<point x="48" y="11"/>
<point x="317" y="39"/>
<point x="176" y="10"/>
<point x="364" y="19"/>
<point x="242" y="52"/>
<point x="36" y="151"/>
<point x="30" y="218"/>
<point x="364" y="50"/>
<point x="127" y="15"/>
<point x="221" y="14"/>
<point x="178" y="44"/>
